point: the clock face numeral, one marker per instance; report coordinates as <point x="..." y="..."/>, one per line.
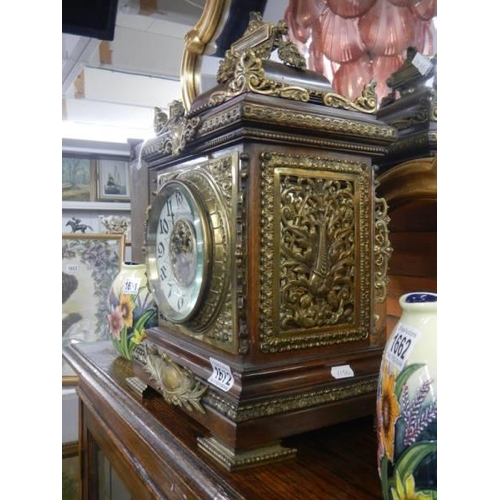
<point x="164" y="227"/>
<point x="160" y="250"/>
<point x="180" y="303"/>
<point x="179" y="199"/>
<point x="180" y="250"/>
<point x="163" y="273"/>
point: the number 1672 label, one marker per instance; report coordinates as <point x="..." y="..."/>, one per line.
<point x="401" y="344"/>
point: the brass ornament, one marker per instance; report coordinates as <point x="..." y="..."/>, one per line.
<point x="367" y="102"/>
<point x="312" y="121"/>
<point x="292" y="119"/>
<point x="382" y="249"/>
<point x="263" y="38"/>
<point x="177" y="384"/>
<point x="174" y="128"/>
<point x="243" y="70"/>
<point x="236" y="460"/>
<point x="249" y="76"/>
<point x="284" y="404"/>
<point x="315" y="229"/>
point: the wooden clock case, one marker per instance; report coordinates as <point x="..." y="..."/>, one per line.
<point x="300" y="261"/>
<point x="407" y="180"/>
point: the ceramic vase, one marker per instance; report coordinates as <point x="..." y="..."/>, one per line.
<point x="131" y="308"/>
<point x="407" y="402"/>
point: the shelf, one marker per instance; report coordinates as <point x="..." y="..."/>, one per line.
<point x="95" y="205"/>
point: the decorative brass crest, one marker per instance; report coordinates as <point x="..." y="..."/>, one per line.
<point x="242" y="70"/>
<point x="263" y="38"/>
<point x="249" y="76"/>
<point x="316" y="254"/>
<point x="177" y="384"/>
<point x="175" y="127"/>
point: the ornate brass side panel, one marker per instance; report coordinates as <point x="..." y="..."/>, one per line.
<point x="219" y="320"/>
<point x="316" y="251"/>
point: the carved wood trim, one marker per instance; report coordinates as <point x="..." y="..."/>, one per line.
<point x="410" y="181"/>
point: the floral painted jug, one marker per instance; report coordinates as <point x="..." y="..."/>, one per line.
<point x="407" y="403"/>
<point x="131" y="308"/>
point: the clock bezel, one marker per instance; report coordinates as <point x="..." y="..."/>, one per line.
<point x="151" y="249"/>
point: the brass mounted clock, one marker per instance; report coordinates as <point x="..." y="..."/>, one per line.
<point x="266" y="250"/>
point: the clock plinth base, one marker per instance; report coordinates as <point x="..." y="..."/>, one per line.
<point x="232" y="459"/>
<point x="247" y="423"/>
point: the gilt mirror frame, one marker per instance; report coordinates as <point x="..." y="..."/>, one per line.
<point x="221" y="23"/>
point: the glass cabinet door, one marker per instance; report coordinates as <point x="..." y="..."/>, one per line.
<point x="111" y="487"/>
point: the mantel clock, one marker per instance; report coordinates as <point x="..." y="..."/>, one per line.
<point x="266" y="250"/>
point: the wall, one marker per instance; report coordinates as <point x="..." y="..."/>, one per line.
<point x="88" y="213"/>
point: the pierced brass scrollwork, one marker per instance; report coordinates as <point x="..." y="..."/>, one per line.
<point x="177" y="385"/>
<point x="366" y="102"/>
<point x="175" y="127"/>
<point x="382" y="249"/>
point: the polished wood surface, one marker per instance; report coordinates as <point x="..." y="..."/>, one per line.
<point x="153" y="446"/>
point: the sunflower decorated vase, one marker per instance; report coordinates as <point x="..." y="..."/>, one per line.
<point x="131" y="308"/>
<point x="407" y="403"/>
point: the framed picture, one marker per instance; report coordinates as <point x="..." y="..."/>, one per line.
<point x="90" y="263"/>
<point x="113" y="180"/>
<point x="78" y="178"/>
<point x="70" y="471"/>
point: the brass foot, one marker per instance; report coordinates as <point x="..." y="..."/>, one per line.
<point x="233" y="460"/>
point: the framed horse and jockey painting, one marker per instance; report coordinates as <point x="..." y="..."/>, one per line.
<point x="90" y="263"/>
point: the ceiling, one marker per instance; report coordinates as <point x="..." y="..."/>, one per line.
<point x="109" y="88"/>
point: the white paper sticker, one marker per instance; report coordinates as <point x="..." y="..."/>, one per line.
<point x="401" y="345"/>
<point x="344" y="371"/>
<point x="421" y="63"/>
<point x="221" y="375"/>
<point x="131" y="286"/>
<point x="72" y="269"/>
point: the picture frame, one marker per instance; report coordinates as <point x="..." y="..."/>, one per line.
<point x="90" y="263"/>
<point x="70" y="470"/>
<point x="113" y="182"/>
<point x="78" y="178"/>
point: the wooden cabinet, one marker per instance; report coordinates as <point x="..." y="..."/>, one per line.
<point x="410" y="190"/>
<point x="152" y="447"/>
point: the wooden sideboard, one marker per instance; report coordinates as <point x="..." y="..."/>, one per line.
<point x="152" y="446"/>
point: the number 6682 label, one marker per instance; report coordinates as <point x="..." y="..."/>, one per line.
<point x="401" y="344"/>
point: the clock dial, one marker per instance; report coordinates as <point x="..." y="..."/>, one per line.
<point x="190" y="248"/>
<point x="181" y="251"/>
